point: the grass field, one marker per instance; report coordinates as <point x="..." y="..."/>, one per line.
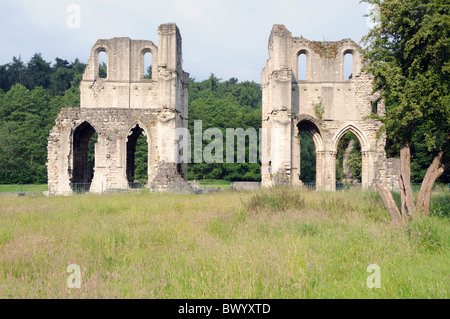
<point x="277" y="243"/>
<point x="215" y="184"/>
<point x="17" y="188"/>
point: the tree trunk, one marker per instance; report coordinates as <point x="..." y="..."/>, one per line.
<point x="405" y="180"/>
<point x="389" y="202"/>
<point x="435" y="170"/>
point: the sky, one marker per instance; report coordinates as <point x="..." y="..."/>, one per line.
<point x="228" y="38"/>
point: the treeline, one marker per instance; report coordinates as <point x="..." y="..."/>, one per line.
<point x="32" y="94"/>
<point x="225" y="104"/>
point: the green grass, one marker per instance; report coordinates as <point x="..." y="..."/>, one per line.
<point x="215" y="183"/>
<point x="17" y="188"/>
<point x="277" y="243"/>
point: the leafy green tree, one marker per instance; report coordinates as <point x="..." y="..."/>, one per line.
<point x="38" y="72"/>
<point x="102" y="70"/>
<point x="12" y="73"/>
<point x="141" y="160"/>
<point x="60" y="80"/>
<point x="408" y="54"/>
<point x="61" y="63"/>
<point x="149" y="72"/>
<point x="354" y="160"/>
<point x="223" y="105"/>
<point x="307" y="158"/>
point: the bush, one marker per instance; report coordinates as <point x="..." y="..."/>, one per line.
<point x="276" y="199"/>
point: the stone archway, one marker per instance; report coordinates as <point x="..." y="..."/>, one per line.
<point x="365" y="150"/>
<point x="131" y="144"/>
<point x="309" y="125"/>
<point x="82" y="172"/>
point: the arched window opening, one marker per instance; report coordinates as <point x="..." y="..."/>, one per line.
<point x="137" y="158"/>
<point x="147" y="65"/>
<point x="348" y="66"/>
<point x="102" y="65"/>
<point x="302" y="67"/>
<point x="348" y="162"/>
<point x="84" y="140"/>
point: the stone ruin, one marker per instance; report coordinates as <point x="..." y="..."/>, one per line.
<point x="124" y="105"/>
<point x="119" y="108"/>
<point x="288" y="107"/>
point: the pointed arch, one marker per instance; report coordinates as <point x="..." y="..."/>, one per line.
<point x="311" y="126"/>
<point x="367" y="172"/>
<point x="82" y="172"/>
<point x="131" y="139"/>
<point x="363" y="141"/>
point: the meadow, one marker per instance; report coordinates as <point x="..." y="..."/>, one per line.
<point x="276" y="243"/>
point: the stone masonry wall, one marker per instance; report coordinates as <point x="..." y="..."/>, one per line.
<point x="288" y="106"/>
<point x="114" y="106"/>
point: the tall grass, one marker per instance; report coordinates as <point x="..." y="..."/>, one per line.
<point x="277" y="243"/>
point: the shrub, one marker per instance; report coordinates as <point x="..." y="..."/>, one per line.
<point x="276" y="199"/>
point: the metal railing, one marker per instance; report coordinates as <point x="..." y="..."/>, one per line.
<point x="23" y="189"/>
<point x="137" y="185"/>
<point x="81" y="188"/>
<point x="437" y="187"/>
<point x="310" y="185"/>
<point x="192" y="187"/>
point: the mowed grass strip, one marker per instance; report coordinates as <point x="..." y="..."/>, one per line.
<point x="27" y="188"/>
<point x="277" y="243"/>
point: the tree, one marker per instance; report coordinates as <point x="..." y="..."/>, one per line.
<point x="38" y="72"/>
<point x="307" y="158"/>
<point x="407" y="52"/>
<point x="12" y="73"/>
<point x="60" y="80"/>
<point x="227" y="104"/>
<point x="102" y="70"/>
<point x="149" y="72"/>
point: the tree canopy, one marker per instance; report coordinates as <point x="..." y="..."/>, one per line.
<point x="408" y="52"/>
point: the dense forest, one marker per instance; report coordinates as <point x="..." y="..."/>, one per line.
<point x="32" y="93"/>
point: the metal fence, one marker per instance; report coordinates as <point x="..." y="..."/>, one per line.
<point x="81" y="188"/>
<point x="416" y="187"/>
<point x="192" y="187"/>
<point x="310" y="185"/>
<point x="23" y="189"/>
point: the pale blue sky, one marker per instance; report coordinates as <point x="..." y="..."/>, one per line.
<point x="228" y="38"/>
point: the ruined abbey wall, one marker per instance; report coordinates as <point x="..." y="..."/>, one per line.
<point x="119" y="108"/>
<point x="288" y="108"/>
<point x="125" y="105"/>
